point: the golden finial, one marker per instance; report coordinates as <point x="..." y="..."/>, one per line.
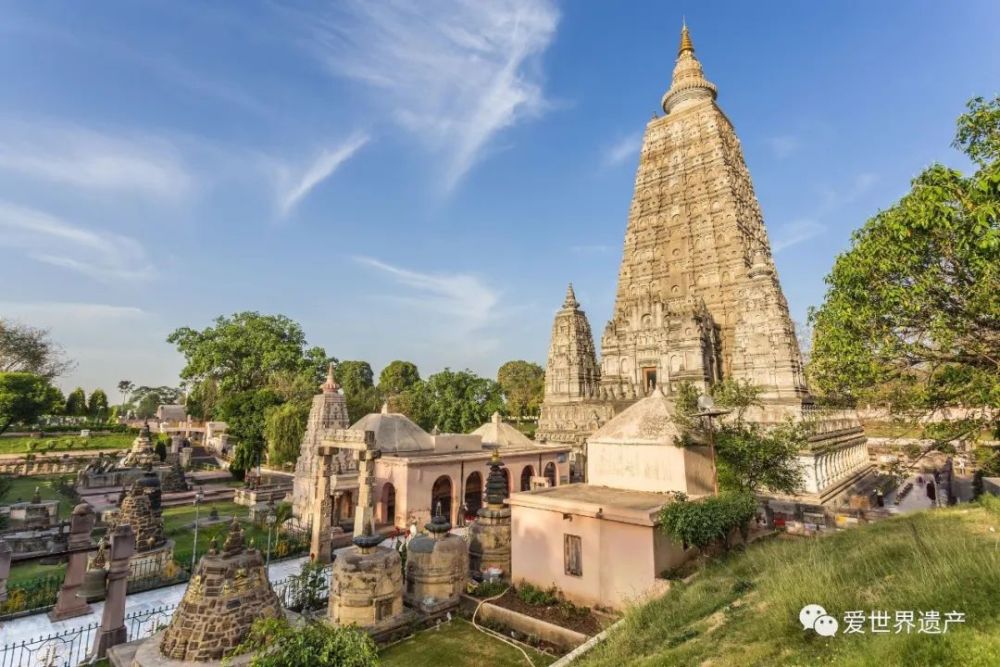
<point x="686" y="43"/>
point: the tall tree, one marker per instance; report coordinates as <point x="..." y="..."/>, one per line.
<point x="145" y="400"/>
<point x="244" y="414"/>
<point x="24" y="397"/>
<point x="397" y="377"/>
<point x="284" y="426"/>
<point x="454" y="401"/>
<point x="243" y="351"/>
<point x="27" y="349"/>
<point x="912" y="312"/>
<point x="523" y="386"/>
<point x="97" y="404"/>
<point x="360" y="394"/>
<point x="125" y="388"/>
<point x="76" y="403"/>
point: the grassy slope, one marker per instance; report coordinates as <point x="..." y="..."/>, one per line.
<point x="457" y="643"/>
<point x="743" y="610"/>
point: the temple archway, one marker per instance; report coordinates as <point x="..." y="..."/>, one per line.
<point x="473" y="493"/>
<point x="441" y="493"/>
<point x="550" y="473"/>
<point x="526" y="476"/>
<point x="389" y="503"/>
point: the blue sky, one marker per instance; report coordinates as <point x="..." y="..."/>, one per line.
<point x="422" y="184"/>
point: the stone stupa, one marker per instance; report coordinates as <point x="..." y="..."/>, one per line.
<point x="437" y="567"/>
<point x="366" y="583"/>
<point x="153" y="551"/>
<point x="489" y="534"/>
<point x="228" y="592"/>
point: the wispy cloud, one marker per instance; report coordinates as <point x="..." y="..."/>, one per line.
<point x="626" y="148"/>
<point x="91" y="160"/>
<point x="45" y="238"/>
<point x="459" y="295"/>
<point x="783" y="146"/>
<point x="453" y="73"/>
<point x="795" y="232"/>
<point x="293" y="188"/>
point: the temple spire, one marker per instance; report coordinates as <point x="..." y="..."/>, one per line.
<point x="686" y="43"/>
<point x="330" y="385"/>
<point x="570" y="301"/>
<point x="688" y="83"/>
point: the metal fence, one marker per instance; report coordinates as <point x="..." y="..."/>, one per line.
<point x="309" y="590"/>
<point x="63" y="649"/>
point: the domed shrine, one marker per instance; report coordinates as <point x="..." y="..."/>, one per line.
<point x="437" y="567"/>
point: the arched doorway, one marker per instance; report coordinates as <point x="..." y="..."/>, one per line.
<point x="550" y="473"/>
<point x="441" y="493"/>
<point x="389" y="503"/>
<point x="526" y="476"/>
<point x="473" y="494"/>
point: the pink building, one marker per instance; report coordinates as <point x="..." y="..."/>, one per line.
<point x="599" y="543"/>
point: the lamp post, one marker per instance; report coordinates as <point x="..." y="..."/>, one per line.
<point x="198" y="497"/>
<point x="271" y="520"/>
<point x="707" y="411"/>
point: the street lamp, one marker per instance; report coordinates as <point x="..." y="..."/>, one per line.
<point x="198" y="497"/>
<point x="271" y="520"/>
<point x="707" y="410"/>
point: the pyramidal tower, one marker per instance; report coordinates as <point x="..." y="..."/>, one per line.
<point x="695" y="234"/>
<point x="328" y="411"/>
<point x="698" y="297"/>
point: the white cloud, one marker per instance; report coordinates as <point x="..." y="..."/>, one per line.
<point x="295" y="187"/>
<point x="90" y="160"/>
<point x="45" y="238"/>
<point x="453" y="73"/>
<point x="784" y="145"/>
<point x="461" y="296"/>
<point x="795" y="232"/>
<point x="627" y="148"/>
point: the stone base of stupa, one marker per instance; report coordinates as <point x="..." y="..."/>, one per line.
<point x="146" y="653"/>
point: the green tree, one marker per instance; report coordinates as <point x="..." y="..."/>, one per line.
<point x="97" y="404"/>
<point x="455" y="401"/>
<point x="125" y="388"/>
<point x="24" y="397"/>
<point x="274" y="642"/>
<point x="244" y="414"/>
<point x="358" y="382"/>
<point x="242" y="352"/>
<point x="56" y="401"/>
<point x="25" y="349"/>
<point x="284" y="426"/>
<point x="76" y="403"/>
<point x="912" y="311"/>
<point x="396" y="378"/>
<point x="523" y="387"/>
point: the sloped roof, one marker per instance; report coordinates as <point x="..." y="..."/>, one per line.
<point x="648" y="421"/>
<point x="395" y="433"/>
<point x="496" y="433"/>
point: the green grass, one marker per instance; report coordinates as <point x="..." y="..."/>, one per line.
<point x="743" y="610"/>
<point x="178" y="524"/>
<point x="457" y="643"/>
<point x="24" y="488"/>
<point x="65" y="442"/>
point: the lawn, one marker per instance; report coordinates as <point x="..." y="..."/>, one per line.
<point x="743" y="610"/>
<point x="24" y="488"/>
<point x="457" y="643"/>
<point x="64" y="442"/>
<point x="178" y="524"/>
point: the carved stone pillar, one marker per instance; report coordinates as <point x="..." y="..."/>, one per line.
<point x="69" y="604"/>
<point x="112" y="631"/>
<point x="321" y="544"/>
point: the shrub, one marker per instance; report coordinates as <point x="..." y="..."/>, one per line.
<point x="489" y="589"/>
<point x="537" y="597"/>
<point x="707" y="521"/>
<point x="274" y="642"/>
